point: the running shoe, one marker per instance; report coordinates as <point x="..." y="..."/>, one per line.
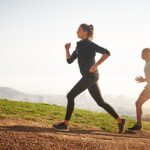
<point x="136" y="127"/>
<point x="61" y="126"/>
<point x="121" y="125"/>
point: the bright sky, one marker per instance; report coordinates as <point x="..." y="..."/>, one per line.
<point x="33" y="34"/>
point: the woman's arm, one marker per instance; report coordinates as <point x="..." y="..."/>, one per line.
<point x="72" y="57"/>
<point x="105" y="54"/>
<point x="98" y="48"/>
<point x="140" y="79"/>
<point x="101" y="60"/>
<point x="67" y="47"/>
<point x="101" y="50"/>
<point x="147" y="76"/>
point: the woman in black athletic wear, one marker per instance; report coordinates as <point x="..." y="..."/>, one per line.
<point x="85" y="52"/>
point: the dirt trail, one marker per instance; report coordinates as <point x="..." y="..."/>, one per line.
<point x="29" y="135"/>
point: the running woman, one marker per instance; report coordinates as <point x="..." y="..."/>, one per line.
<point x="85" y="52"/>
<point x="145" y="94"/>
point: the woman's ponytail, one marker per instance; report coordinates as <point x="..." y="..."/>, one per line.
<point x="89" y="29"/>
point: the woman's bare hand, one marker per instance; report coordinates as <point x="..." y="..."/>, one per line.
<point x="67" y="46"/>
<point x="140" y="79"/>
<point x="93" y="68"/>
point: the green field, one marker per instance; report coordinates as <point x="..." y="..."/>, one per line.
<point x="49" y="114"/>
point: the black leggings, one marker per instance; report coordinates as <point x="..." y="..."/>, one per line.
<point x="91" y="82"/>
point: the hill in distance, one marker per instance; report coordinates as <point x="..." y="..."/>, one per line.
<point x="122" y="105"/>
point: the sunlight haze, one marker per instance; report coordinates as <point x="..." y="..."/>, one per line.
<point x="33" y="34"/>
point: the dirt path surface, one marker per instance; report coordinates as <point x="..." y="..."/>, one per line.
<point x="28" y="135"/>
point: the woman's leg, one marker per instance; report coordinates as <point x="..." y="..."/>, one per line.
<point x="94" y="90"/>
<point x="96" y="94"/>
<point x="144" y="96"/>
<point x="80" y="86"/>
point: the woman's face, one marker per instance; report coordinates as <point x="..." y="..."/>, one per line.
<point x="145" y="55"/>
<point x="81" y="33"/>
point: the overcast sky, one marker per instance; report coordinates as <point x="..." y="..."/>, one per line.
<point x="33" y="34"/>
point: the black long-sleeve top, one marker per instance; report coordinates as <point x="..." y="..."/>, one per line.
<point x="85" y="52"/>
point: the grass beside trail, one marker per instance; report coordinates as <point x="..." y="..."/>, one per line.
<point x="51" y="113"/>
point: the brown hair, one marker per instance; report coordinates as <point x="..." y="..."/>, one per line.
<point x="89" y="29"/>
<point x="146" y="50"/>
